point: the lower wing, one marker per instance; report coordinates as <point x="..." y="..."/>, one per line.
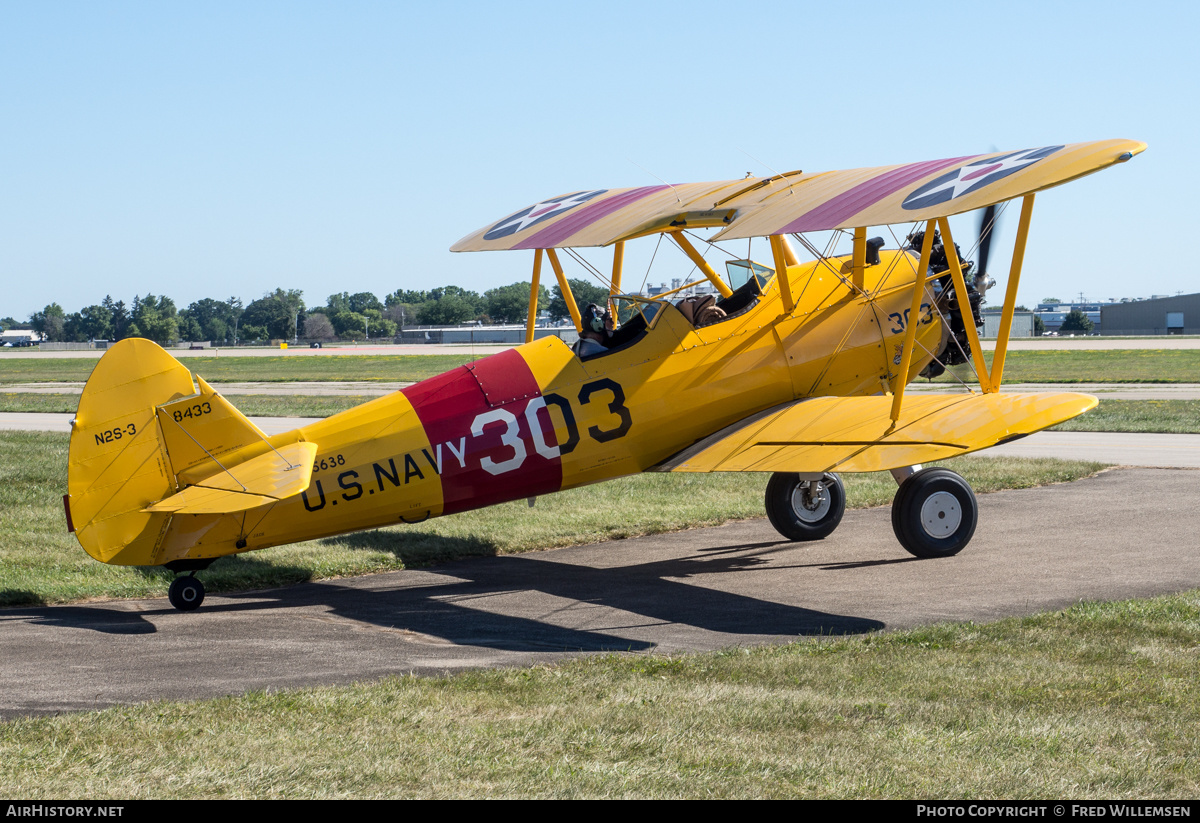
<point x="856" y="434"/>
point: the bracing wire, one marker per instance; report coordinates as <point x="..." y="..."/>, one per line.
<point x="588" y="266"/>
<point x="646" y="277"/>
<point x="674" y="190"/>
<point x="988" y="228"/>
<point x="895" y="260"/>
<point x="966" y="357"/>
<point x="712" y="245"/>
<point x="213" y="457"/>
<point x="823" y="259"/>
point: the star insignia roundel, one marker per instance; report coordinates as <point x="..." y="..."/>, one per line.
<point x="539" y="212"/>
<point x="973" y="176"/>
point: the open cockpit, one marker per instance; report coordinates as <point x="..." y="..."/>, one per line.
<point x="635" y="315"/>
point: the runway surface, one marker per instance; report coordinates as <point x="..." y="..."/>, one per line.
<point x="1125" y="533"/>
<point x="55" y="422"/>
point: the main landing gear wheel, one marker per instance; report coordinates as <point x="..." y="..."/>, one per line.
<point x="934" y="513"/>
<point x="186" y="593"/>
<point x="803" y="509"/>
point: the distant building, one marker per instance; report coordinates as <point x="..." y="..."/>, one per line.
<point x="1158" y="315"/>
<point x="510" y="334"/>
<point x="1022" y="323"/>
<point x="703" y="287"/>
<point x="19" y="337"/>
<point x="1053" y="314"/>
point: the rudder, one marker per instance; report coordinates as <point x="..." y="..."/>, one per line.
<point x="117" y="463"/>
<point x="123" y="460"/>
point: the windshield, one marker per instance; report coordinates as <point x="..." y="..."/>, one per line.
<point x="739" y="273"/>
<point x="630" y="306"/>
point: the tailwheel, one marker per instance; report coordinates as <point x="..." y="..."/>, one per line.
<point x="805" y="509"/>
<point x="934" y="513"/>
<point x="186" y="593"/>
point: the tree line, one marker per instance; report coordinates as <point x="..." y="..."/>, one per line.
<point x="283" y="314"/>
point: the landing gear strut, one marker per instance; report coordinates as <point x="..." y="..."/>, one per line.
<point x="186" y="593"/>
<point x="934" y="513"/>
<point x="805" y="508"/>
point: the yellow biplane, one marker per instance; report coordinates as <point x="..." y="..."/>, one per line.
<point x="797" y="368"/>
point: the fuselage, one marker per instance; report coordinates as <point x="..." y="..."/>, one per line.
<point x="536" y="419"/>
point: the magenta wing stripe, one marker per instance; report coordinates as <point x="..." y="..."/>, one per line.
<point x="837" y="209"/>
<point x="551" y="236"/>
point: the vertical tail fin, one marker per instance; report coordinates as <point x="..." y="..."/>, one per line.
<point x="142" y="433"/>
<point x="117" y="462"/>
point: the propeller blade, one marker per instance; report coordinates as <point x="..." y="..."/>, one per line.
<point x="987" y="227"/>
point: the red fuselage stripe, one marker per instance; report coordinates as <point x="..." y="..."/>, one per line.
<point x="479" y="422"/>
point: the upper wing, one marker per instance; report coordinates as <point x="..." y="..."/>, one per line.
<point x="796" y="202"/>
<point x="600" y="216"/>
<point x="854" y="434"/>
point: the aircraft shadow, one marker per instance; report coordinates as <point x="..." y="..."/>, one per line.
<point x="20" y="597"/>
<point x="237" y="572"/>
<point x="526" y="603"/>
<point x="105" y="621"/>
<point x="416" y="548"/>
<point x="494" y="603"/>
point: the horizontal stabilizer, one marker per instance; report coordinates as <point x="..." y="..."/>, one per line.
<point x="272" y="476"/>
<point x="855" y="434"/>
<point x="201" y="429"/>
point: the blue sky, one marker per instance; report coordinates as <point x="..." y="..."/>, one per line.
<point x="216" y="149"/>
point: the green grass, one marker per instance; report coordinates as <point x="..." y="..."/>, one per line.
<point x="1169" y="416"/>
<point x="1092" y="366"/>
<point x="1095" y="702"/>
<point x="41" y="563"/>
<point x="252" y="405"/>
<point x="217" y="369"/>
<point x="1053" y="366"/>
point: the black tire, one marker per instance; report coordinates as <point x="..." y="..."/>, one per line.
<point x="797" y="518"/>
<point x="186" y="594"/>
<point x="934" y="513"/>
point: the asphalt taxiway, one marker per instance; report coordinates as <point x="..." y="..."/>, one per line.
<point x="1124" y="533"/>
